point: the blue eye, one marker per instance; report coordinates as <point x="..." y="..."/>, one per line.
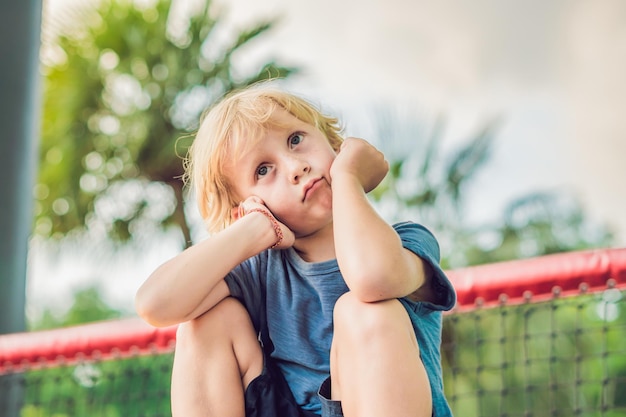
<point x="262" y="170"/>
<point x="295" y="139"/>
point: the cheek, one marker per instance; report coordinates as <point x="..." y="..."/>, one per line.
<point x="282" y="207"/>
<point x="279" y="206"/>
<point x="284" y="216"/>
<point x="327" y="160"/>
<point x="330" y="161"/>
<point x="275" y="201"/>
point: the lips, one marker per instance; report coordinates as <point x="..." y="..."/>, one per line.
<point x="309" y="187"/>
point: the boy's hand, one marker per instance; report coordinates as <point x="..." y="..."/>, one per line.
<point x="360" y="159"/>
<point x="255" y="202"/>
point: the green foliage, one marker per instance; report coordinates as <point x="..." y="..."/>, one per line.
<point x="136" y="386"/>
<point x="88" y="306"/>
<point x="536" y="224"/>
<point x="122" y="87"/>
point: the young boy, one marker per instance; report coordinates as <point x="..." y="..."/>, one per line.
<point x="301" y="282"/>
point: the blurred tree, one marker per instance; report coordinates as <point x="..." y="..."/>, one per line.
<point x="430" y="185"/>
<point x="423" y="182"/>
<point x="88" y="306"/>
<point x="539" y="223"/>
<point x="125" y="81"/>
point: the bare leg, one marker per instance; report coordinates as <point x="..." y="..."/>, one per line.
<point x="217" y="355"/>
<point x="375" y="365"/>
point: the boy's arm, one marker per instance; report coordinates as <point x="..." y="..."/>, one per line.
<point x="370" y="254"/>
<point x="192" y="283"/>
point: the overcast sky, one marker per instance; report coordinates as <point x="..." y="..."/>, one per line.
<point x="553" y="70"/>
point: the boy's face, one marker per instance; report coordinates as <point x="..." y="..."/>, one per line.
<point x="289" y="169"/>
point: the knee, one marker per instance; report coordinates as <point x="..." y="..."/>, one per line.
<point x="219" y="323"/>
<point x="366" y="321"/>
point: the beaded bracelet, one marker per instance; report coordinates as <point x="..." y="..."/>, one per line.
<point x="277" y="229"/>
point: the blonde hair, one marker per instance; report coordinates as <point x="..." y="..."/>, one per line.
<point x="236" y="122"/>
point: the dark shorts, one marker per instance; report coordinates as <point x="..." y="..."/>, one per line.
<point x="268" y="395"/>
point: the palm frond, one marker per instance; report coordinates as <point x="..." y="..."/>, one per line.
<point x="469" y="159"/>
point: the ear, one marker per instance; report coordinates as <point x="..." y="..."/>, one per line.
<point x="235" y="213"/>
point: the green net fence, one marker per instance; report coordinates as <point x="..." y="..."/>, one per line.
<point x="565" y="357"/>
<point x="118" y="388"/>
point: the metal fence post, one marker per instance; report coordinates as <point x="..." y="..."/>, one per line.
<point x="20" y="28"/>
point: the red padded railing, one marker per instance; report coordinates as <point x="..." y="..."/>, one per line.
<point x="98" y="341"/>
<point x="479" y="286"/>
<point x="539" y="278"/>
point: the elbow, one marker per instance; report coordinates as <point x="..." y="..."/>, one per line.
<point x="371" y="288"/>
<point x="150" y="310"/>
<point x="372" y="293"/>
<point x="378" y="284"/>
<point x="368" y="296"/>
<point x="363" y="282"/>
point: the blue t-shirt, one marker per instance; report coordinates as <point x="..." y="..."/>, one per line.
<point x="291" y="303"/>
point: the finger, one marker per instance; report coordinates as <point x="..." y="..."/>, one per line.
<point x="248" y="204"/>
<point x="257" y="200"/>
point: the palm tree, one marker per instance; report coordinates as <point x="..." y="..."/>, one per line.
<point x="125" y="85"/>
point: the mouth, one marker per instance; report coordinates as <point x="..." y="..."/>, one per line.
<point x="310" y="186"/>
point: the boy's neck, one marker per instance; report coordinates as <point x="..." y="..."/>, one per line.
<point x="318" y="247"/>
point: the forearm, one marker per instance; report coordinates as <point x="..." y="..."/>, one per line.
<point x="185" y="287"/>
<point x="369" y="251"/>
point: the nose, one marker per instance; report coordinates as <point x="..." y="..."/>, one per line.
<point x="297" y="169"/>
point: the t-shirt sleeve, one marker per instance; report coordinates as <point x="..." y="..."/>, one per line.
<point x="245" y="284"/>
<point x="422" y="242"/>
